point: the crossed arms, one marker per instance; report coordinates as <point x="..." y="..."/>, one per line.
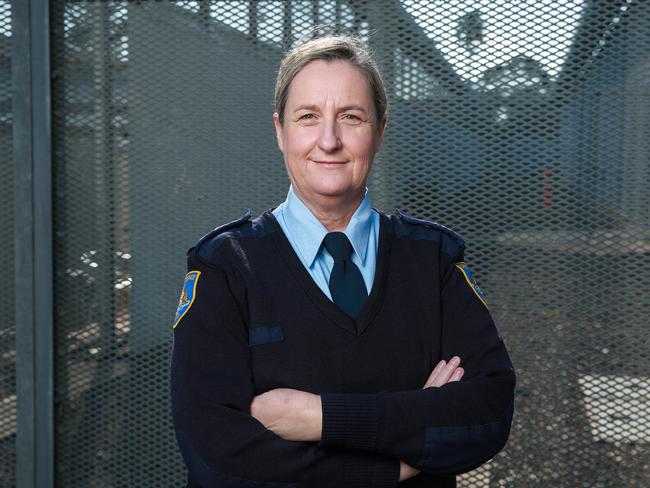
<point x="287" y="438"/>
<point x="297" y="415"/>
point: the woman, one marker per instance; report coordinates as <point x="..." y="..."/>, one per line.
<point x="304" y="336"/>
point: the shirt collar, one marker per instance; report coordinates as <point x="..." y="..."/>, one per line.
<point x="308" y="232"/>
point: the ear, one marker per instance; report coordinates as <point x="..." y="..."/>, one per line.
<point x="381" y="127"/>
<point x="279" y="131"/>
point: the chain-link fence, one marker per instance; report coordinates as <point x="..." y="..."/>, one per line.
<point x="522" y="125"/>
<point x="7" y="276"/>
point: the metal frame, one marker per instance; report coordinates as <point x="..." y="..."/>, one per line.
<point x="33" y="234"/>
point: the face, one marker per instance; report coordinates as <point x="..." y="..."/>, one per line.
<point x="330" y="133"/>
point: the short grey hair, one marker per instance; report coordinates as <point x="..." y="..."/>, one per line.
<point x="330" y="48"/>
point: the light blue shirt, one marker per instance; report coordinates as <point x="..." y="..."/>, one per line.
<point x="306" y="233"/>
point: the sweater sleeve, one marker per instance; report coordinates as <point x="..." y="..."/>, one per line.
<point x="212" y="389"/>
<point x="446" y="430"/>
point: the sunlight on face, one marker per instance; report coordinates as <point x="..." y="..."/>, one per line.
<point x="330" y="133"/>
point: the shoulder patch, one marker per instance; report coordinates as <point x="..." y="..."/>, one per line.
<point x="188" y="293"/>
<point x="245" y="217"/>
<point x="433" y="225"/>
<point x="469" y="277"/>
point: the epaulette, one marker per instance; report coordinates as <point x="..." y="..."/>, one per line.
<point x="245" y="217"/>
<point x="427" y="223"/>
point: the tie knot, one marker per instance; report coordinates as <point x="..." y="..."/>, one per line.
<point x="338" y="245"/>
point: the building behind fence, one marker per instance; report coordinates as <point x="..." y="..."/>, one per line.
<point x="524" y="126"/>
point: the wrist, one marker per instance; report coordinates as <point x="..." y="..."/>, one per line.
<point x="316" y="417"/>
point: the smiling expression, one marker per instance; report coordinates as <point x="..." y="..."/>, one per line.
<point x="330" y="133"/>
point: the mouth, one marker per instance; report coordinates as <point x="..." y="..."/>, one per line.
<point x="329" y="163"/>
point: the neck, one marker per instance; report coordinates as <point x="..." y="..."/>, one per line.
<point x="333" y="212"/>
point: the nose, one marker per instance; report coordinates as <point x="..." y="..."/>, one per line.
<point x="329" y="140"/>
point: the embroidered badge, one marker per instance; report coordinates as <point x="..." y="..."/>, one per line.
<point x="469" y="277"/>
<point x="187" y="295"/>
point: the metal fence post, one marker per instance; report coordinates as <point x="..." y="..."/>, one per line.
<point x="33" y="210"/>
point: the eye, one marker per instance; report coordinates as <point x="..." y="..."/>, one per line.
<point x="308" y="116"/>
<point x="351" y="118"/>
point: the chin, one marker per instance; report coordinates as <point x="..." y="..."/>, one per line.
<point x="329" y="188"/>
<point x="336" y="192"/>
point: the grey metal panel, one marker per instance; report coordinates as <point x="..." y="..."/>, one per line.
<point x="33" y="265"/>
<point x="24" y="248"/>
<point x="43" y="239"/>
<point x="161" y="134"/>
<point x="189" y="153"/>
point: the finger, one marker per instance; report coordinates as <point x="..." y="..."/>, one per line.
<point x="435" y="373"/>
<point x="456" y="375"/>
<point x="447" y="371"/>
<point x="432" y="377"/>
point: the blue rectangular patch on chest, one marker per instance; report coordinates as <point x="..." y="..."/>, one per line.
<point x="264" y="335"/>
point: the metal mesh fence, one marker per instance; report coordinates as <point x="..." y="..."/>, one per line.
<point x="7" y="297"/>
<point x="523" y="125"/>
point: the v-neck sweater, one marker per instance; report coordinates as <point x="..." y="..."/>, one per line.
<point x="320" y="299"/>
<point x="306" y="233"/>
<point x="258" y="321"/>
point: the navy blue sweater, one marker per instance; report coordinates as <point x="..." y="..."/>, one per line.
<point x="257" y="321"/>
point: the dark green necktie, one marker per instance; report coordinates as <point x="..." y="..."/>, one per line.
<point x="346" y="283"/>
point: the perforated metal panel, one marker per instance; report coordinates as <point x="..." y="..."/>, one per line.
<point x="522" y="125"/>
<point x="7" y="296"/>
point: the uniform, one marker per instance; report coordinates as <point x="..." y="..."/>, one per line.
<point x="251" y="319"/>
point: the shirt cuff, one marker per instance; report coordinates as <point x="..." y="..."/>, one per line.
<point x="350" y="420"/>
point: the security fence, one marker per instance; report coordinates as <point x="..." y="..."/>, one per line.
<point x="7" y="277"/>
<point x="524" y="126"/>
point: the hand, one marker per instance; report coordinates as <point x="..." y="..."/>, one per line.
<point x="294" y="415"/>
<point x="445" y="373"/>
<point x="406" y="471"/>
<point x="442" y="374"/>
